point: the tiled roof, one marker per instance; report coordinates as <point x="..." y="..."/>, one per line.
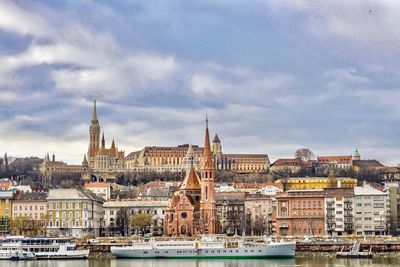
<point x="97" y="184"/>
<point x="135" y="203"/>
<point x="339" y="159"/>
<point x="33" y="196"/>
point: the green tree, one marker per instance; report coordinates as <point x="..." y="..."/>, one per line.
<point x="140" y="221"/>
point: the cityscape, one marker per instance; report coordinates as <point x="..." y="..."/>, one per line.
<point x="226" y="133"/>
<point x="239" y="194"/>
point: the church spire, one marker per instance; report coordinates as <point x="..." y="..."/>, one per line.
<point x="94" y="116"/>
<point x="207" y="161"/>
<point x="103" y="141"/>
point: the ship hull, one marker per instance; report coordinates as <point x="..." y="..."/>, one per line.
<point x="273" y="251"/>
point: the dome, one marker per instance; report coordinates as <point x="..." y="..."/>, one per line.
<point x="357" y="155"/>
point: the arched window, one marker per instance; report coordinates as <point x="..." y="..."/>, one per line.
<point x="206" y="192"/>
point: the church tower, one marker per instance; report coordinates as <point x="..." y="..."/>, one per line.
<point x="207" y="202"/>
<point x="94" y="134"/>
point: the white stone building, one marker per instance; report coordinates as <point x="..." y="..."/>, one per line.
<point x="74" y="212"/>
<point x="115" y="209"/>
<point x="372" y="211"/>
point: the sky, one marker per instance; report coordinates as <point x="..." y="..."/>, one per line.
<point x="272" y="76"/>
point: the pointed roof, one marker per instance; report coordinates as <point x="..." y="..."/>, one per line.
<point x="190" y="150"/>
<point x="84" y="158"/>
<point x="216" y="139"/>
<point x="48" y="157"/>
<point x="94" y="116"/>
<point x="103" y="141"/>
<point x="113" y="144"/>
<point x="207" y="160"/>
<point x="191" y="181"/>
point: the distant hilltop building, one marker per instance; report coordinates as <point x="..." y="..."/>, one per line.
<point x="177" y="159"/>
<point x="101" y="161"/>
<point x="326" y="164"/>
<point x="51" y="166"/>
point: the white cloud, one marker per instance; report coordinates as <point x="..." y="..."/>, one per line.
<point x="17" y="20"/>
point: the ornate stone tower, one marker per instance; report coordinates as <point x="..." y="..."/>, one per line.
<point x="217" y="151"/>
<point x="207" y="202"/>
<point x="94" y="134"/>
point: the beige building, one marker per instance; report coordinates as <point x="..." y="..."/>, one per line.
<point x="178" y="159"/>
<point x="29" y="213"/>
<point x="74" y="212"/>
<point x="32" y="205"/>
<point x="49" y="167"/>
<point x="161" y="159"/>
<point x="259" y="210"/>
<point x="117" y="215"/>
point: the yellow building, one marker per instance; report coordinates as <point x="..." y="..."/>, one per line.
<point x="6" y="197"/>
<point x="305" y="183"/>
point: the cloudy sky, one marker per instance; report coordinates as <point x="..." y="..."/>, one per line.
<point x="273" y="76"/>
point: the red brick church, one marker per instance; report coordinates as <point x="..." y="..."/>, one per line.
<point x="191" y="210"/>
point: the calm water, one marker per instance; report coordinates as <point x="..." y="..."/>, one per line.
<point x="204" y="263"/>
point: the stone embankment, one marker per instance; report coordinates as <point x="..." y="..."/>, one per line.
<point x="380" y="248"/>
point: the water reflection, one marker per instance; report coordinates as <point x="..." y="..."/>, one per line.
<point x="298" y="262"/>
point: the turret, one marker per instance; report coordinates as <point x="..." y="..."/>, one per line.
<point x="84" y="161"/>
<point x="54" y="157"/>
<point x="103" y="142"/>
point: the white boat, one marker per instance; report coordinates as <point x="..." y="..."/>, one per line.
<point x="44" y="248"/>
<point x="15" y="254"/>
<point x="206" y="248"/>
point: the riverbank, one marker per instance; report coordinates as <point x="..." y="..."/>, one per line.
<point x="299" y="255"/>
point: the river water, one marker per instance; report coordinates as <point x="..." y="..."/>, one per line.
<point x="298" y="262"/>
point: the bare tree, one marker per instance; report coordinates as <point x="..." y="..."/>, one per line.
<point x="304" y="154"/>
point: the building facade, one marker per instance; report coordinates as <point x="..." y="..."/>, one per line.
<point x="339" y="211"/>
<point x="30" y="214"/>
<point x="259" y="217"/>
<point x="177" y="159"/>
<point x="231" y="212"/>
<point x="50" y="167"/>
<point x="372" y="211"/>
<point x="300" y="213"/>
<point x="74" y="212"/>
<point x="6" y="199"/>
<point x="118" y="213"/>
<point x="306" y="183"/>
<point x="161" y="159"/>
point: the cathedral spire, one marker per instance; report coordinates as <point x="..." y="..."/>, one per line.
<point x="94" y="117"/>
<point x="103" y="141"/>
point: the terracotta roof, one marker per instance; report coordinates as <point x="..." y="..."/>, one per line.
<point x="339" y="159"/>
<point x="97" y="184"/>
<point x="191" y="181"/>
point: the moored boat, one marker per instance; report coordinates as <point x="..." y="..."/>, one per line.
<point x="206" y="248"/>
<point x="43" y="248"/>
